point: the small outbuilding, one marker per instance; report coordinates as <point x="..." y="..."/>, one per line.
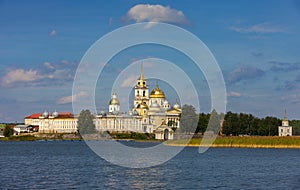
<point x="21" y="129"/>
<point x="164" y="132"/>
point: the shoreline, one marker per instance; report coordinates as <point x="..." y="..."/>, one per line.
<point x="236" y="146"/>
<point x="292" y="142"/>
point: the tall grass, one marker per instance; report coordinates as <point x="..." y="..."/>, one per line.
<point x="242" y="141"/>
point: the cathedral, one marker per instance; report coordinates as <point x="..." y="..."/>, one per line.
<point x="150" y="113"/>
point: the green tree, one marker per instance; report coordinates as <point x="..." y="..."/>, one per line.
<point x="202" y="123"/>
<point x="85" y="122"/>
<point x="7" y="132"/>
<point x="189" y="119"/>
<point x="231" y="124"/>
<point x="296" y="126"/>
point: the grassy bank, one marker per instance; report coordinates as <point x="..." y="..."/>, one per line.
<point x="41" y="136"/>
<point x="67" y="136"/>
<point x="242" y="142"/>
<point x="20" y="138"/>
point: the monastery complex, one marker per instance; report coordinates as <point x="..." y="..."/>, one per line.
<point x="150" y="113"/>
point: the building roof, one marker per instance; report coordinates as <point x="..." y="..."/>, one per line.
<point x="60" y="115"/>
<point x="33" y="116"/>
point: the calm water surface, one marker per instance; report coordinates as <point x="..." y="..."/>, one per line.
<point x="72" y="165"/>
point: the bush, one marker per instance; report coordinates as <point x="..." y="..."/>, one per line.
<point x="7" y="132"/>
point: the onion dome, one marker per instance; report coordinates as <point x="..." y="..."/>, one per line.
<point x="165" y="102"/>
<point x="45" y="114"/>
<point x="157" y="93"/>
<point x="176" y="106"/>
<point x="114" y="100"/>
<point x="55" y="114"/>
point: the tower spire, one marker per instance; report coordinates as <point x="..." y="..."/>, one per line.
<point x="284" y="118"/>
<point x="141" y="72"/>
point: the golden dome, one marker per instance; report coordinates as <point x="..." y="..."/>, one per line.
<point x="114" y="100"/>
<point x="157" y="93"/>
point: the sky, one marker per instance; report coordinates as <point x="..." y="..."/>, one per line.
<point x="255" y="43"/>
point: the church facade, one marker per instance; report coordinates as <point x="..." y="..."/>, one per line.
<point x="148" y="114"/>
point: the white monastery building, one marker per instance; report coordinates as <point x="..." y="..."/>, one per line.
<point x="150" y="113"/>
<point x="56" y="122"/>
<point x="285" y="129"/>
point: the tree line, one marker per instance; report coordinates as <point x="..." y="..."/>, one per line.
<point x="231" y="123"/>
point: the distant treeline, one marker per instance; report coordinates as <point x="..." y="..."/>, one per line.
<point x="246" y="124"/>
<point x="234" y="124"/>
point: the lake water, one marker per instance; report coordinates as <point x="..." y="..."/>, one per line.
<point x="72" y="165"/>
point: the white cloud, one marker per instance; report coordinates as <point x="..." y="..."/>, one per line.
<point x="234" y="94"/>
<point x="156" y="13"/>
<point x="69" y="99"/>
<point x="49" y="65"/>
<point x="129" y="82"/>
<point x="32" y="77"/>
<point x="53" y="33"/>
<point x="20" y="75"/>
<point x="262" y="28"/>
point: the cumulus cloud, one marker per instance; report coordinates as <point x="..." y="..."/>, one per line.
<point x="233" y="94"/>
<point x="244" y="73"/>
<point x="20" y="75"/>
<point x="262" y="28"/>
<point x="47" y="74"/>
<point x="69" y="99"/>
<point x="53" y="33"/>
<point x="155" y="13"/>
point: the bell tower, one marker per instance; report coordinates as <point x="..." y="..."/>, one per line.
<point x="141" y="90"/>
<point x="285" y="122"/>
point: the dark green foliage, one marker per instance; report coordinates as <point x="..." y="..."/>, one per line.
<point x="189" y="119"/>
<point x="85" y="122"/>
<point x="296" y="126"/>
<point x="133" y="135"/>
<point x="202" y="123"/>
<point x="7" y="132"/>
<point x="246" y="124"/>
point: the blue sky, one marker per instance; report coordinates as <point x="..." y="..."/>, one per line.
<point x="256" y="44"/>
